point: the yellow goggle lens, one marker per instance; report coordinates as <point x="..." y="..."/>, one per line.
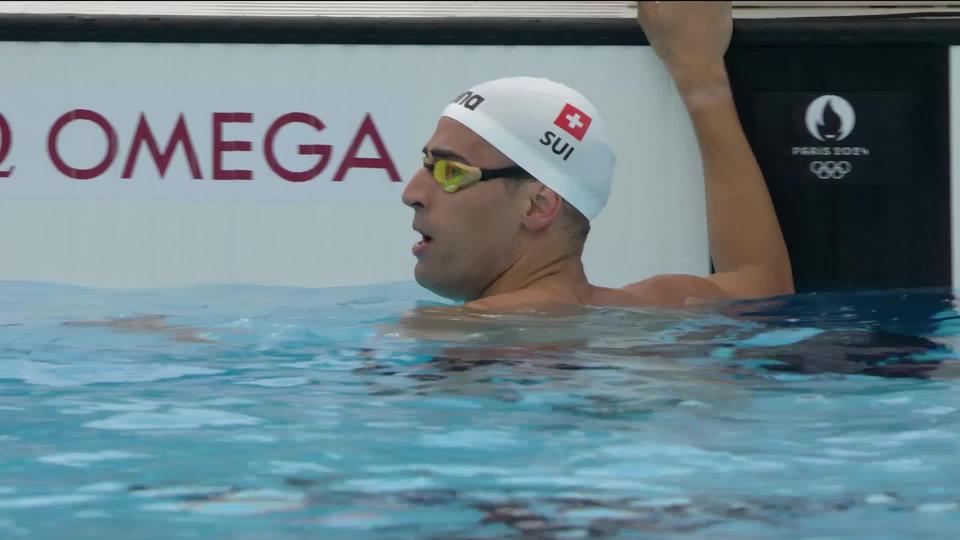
<point x="449" y="174"/>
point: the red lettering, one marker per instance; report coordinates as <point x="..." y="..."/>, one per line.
<point x="322" y="150"/>
<point x="220" y="146"/>
<point x="91" y="116"/>
<point x="6" y="141"/>
<point x="367" y="129"/>
<point x="162" y="160"/>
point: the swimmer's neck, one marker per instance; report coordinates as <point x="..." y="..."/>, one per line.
<point x="560" y="280"/>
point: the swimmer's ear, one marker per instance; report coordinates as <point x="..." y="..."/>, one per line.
<point x="544" y="205"/>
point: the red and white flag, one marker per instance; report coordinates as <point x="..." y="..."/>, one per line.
<point x="573" y="121"/>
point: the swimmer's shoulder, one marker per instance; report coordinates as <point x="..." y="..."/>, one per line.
<point x="662" y="291"/>
<point x="674" y="291"/>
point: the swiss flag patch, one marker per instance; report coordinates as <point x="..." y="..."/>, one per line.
<point x="573" y="121"/>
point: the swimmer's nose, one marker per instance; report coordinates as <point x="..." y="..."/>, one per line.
<point x="417" y="192"/>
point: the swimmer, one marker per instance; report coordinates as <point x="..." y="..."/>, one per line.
<point x="504" y="208"/>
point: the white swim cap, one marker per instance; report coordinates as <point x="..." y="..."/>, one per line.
<point x="547" y="128"/>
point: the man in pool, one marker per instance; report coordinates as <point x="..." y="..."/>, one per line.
<point x="518" y="167"/>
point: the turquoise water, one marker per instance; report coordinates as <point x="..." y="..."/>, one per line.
<point x="275" y="413"/>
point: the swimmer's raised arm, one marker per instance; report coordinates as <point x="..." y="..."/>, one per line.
<point x="746" y="244"/>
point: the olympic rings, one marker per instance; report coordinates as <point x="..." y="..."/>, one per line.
<point x="830" y="169"/>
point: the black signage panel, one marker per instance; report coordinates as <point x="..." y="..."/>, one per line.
<point x="853" y="142"/>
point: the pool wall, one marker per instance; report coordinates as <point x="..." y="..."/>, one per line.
<point x="293" y="139"/>
<point x="255" y="193"/>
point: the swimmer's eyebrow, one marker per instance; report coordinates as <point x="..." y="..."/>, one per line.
<point x="446" y="153"/>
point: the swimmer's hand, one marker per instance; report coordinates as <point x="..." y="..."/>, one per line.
<point x="143" y="324"/>
<point x="690" y="37"/>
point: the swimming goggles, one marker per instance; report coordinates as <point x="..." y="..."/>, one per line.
<point x="453" y="175"/>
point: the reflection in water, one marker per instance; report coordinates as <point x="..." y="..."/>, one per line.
<point x="525" y="517"/>
<point x="844" y="334"/>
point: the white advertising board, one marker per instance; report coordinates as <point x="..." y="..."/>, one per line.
<point x="153" y="165"/>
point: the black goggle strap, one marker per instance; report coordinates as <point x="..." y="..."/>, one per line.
<point x="506" y="172"/>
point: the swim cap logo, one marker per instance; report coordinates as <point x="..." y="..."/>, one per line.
<point x="469" y="100"/>
<point x="573" y="121"/>
<point x="830" y="118"/>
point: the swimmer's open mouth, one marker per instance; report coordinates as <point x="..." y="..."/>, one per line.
<point x="421" y="246"/>
<point x="425" y="238"/>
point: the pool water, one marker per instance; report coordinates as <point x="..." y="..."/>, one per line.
<point x="282" y="413"/>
